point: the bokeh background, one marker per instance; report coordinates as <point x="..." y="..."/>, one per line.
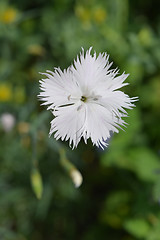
<point x="120" y="195"/>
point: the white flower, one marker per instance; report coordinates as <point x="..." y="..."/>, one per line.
<point x="85" y="99"/>
<point x="7" y="121"/>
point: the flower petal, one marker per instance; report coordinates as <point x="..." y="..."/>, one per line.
<point x="69" y="123"/>
<point x="100" y="122"/>
<point x="57" y="88"/>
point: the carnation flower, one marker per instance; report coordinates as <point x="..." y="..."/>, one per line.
<point x="85" y="100"/>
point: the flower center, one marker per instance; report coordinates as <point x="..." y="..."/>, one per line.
<point x="83" y="99"/>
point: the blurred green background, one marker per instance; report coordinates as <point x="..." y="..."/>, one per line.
<point x="120" y="195"/>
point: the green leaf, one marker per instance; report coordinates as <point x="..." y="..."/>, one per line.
<point x="144" y="163"/>
<point x="137" y="227"/>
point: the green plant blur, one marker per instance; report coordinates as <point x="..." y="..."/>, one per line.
<point x="120" y="195"/>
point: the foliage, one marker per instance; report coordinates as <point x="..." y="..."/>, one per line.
<point x="120" y="194"/>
